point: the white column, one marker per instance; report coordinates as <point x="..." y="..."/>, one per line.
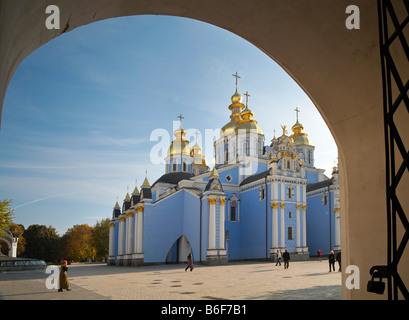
<point x="221" y="223"/>
<point x="135" y="231"/>
<point x="212" y="223"/>
<point x="298" y="228"/>
<point x="337" y="229"/>
<point x="274" y="227"/>
<point x="304" y="227"/>
<point x="111" y="239"/>
<point x="282" y="244"/>
<point x="140" y="231"/>
<point x="129" y="224"/>
<point x="121" y="235"/>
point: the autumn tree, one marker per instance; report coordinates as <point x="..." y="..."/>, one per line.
<point x="100" y="238"/>
<point x="42" y="243"/>
<point x="77" y="243"/>
<point x="6" y="215"/>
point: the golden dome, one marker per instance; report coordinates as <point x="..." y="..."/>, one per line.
<point x="228" y="128"/>
<point x="298" y="136"/>
<point x="236" y="97"/>
<point x="247" y="123"/>
<point x="179" y="145"/>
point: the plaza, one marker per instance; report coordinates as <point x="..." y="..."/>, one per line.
<point x="250" y="280"/>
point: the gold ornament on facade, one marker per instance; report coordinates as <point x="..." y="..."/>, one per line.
<point x="212" y="201"/>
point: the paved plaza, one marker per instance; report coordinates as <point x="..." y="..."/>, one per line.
<point x="304" y="280"/>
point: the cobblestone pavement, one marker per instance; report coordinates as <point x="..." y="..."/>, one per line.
<point x="304" y="280"/>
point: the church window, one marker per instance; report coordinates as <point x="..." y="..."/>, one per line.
<point x="184" y="166"/>
<point x="290" y="192"/>
<point x="290" y="233"/>
<point x="288" y="164"/>
<point x="226" y="157"/>
<point x="175" y="166"/>
<point x="309" y="156"/>
<point x="229" y="178"/>
<point x="233" y="213"/>
<point x="290" y="214"/>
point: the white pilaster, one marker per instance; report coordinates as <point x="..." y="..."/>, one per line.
<point x="282" y="241"/>
<point x="304" y="228"/>
<point x="212" y="223"/>
<point x="298" y="229"/>
<point x="139" y="248"/>
<point x="221" y="224"/>
<point x="337" y="245"/>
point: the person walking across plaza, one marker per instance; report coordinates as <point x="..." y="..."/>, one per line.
<point x="63" y="277"/>
<point x="338" y="258"/>
<point x="189" y="262"/>
<point x="286" y="257"/>
<point x="319" y="255"/>
<point x="278" y="256"/>
<point x="331" y="260"/>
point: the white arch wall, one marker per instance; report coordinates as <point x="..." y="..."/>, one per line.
<point x="338" y="68"/>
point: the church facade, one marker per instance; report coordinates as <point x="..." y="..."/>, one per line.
<point x="257" y="199"/>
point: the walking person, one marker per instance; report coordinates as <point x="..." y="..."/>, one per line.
<point x="189" y="262"/>
<point x="278" y="256"/>
<point x="338" y="258"/>
<point x="286" y="257"/>
<point x="319" y="255"/>
<point x="331" y="260"/>
<point x="63" y="277"/>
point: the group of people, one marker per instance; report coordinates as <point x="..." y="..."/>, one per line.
<point x="285" y="256"/>
<point x="331" y="259"/>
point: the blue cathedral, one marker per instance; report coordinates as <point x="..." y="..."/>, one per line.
<point x="257" y="199"/>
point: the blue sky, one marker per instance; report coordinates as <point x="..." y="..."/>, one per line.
<point x="79" y="112"/>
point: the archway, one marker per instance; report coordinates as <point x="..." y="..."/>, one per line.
<point x="345" y="62"/>
<point x="179" y="250"/>
<point x="5" y="245"/>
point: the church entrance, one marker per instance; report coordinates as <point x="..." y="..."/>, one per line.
<point x="179" y="251"/>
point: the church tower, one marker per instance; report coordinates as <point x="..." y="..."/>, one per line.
<point x="304" y="146"/>
<point x="179" y="156"/>
<point x="241" y="140"/>
<point x="199" y="162"/>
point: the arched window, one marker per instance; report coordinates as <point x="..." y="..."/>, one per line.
<point x="290" y="233"/>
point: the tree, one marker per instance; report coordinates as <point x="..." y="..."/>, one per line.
<point x="100" y="237"/>
<point x="42" y="243"/>
<point x="6" y="215"/>
<point x="77" y="243"/>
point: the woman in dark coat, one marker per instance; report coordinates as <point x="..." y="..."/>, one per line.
<point x="63" y="277"/>
<point x="331" y="260"/>
<point x="189" y="262"/>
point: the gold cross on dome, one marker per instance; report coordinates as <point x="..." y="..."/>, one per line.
<point x="180" y="119"/>
<point x="237" y="76"/>
<point x="197" y="133"/>
<point x="297" y="111"/>
<point x="247" y="97"/>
